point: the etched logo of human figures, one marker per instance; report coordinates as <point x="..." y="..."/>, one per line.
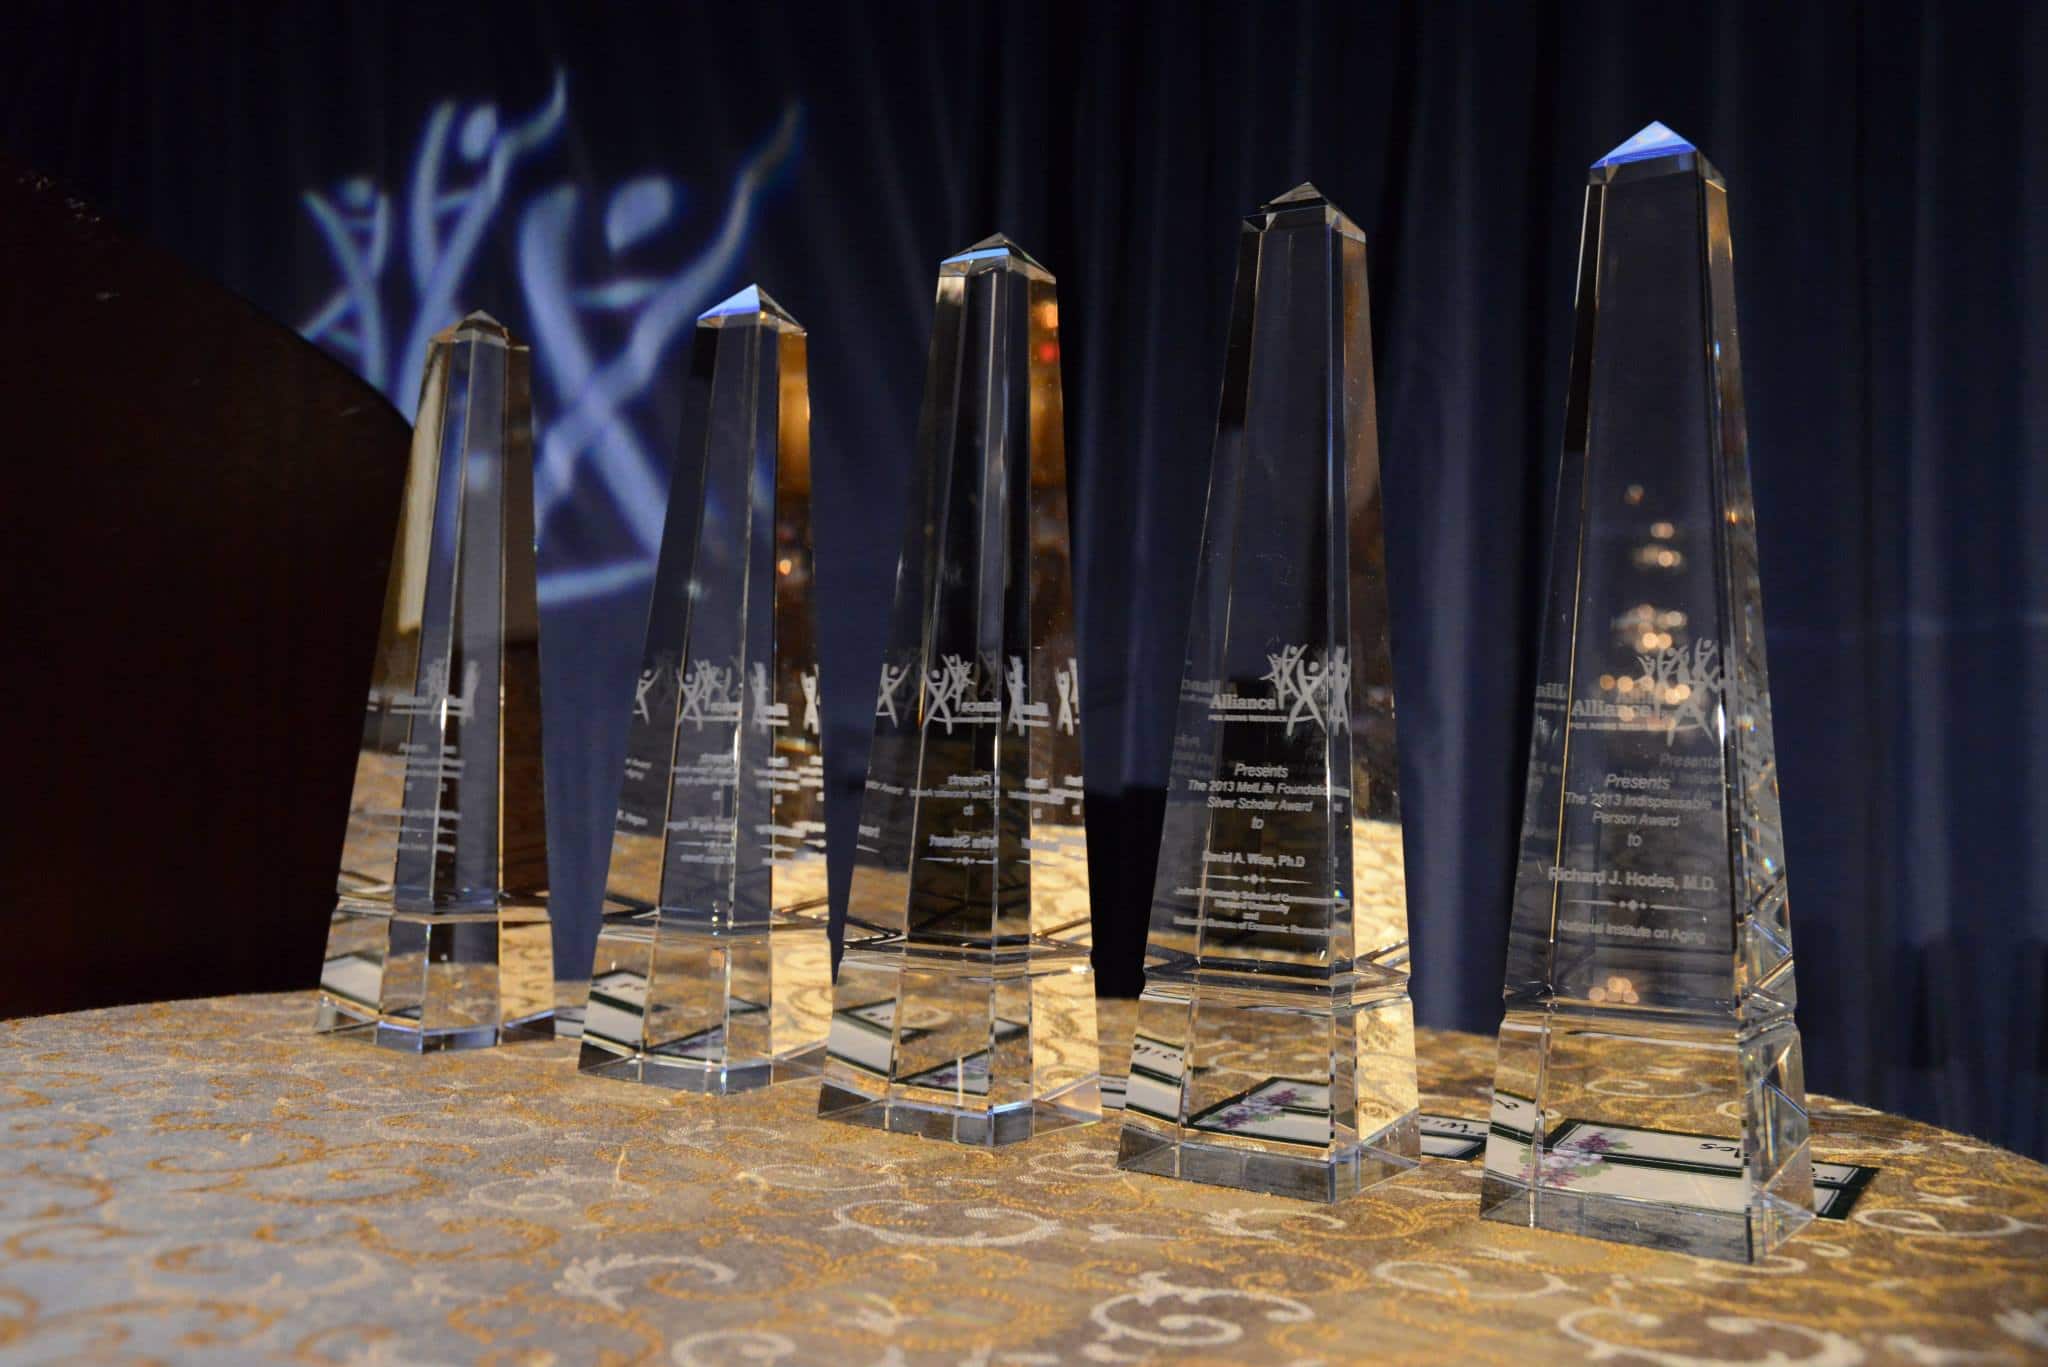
<point x="946" y="689"/>
<point x="1683" y="684"/>
<point x="1016" y="682"/>
<point x="809" y="680"/>
<point x="432" y="695"/>
<point x="649" y="687"/>
<point x="1309" y="689"/>
<point x="709" y="693"/>
<point x="640" y="691"/>
<point x="767" y="713"/>
<point x="885" y="697"/>
<point x="433" y="689"/>
<point x="1025" y="715"/>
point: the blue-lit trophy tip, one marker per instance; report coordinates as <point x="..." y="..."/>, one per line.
<point x="1655" y="140"/>
<point x="751" y="302"/>
<point x="994" y="247"/>
<point x="747" y="300"/>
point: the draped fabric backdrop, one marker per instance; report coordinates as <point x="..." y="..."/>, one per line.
<point x="595" y="176"/>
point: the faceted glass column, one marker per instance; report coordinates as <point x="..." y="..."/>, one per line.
<point x="440" y="937"/>
<point x="1275" y="1046"/>
<point x="1649" y="1086"/>
<point x="965" y="1005"/>
<point x="713" y="968"/>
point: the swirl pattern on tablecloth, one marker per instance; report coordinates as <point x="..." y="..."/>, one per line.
<point x="211" y="1178"/>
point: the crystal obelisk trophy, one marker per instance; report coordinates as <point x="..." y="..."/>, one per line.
<point x="440" y="937"/>
<point x="965" y="1004"/>
<point x="713" y="968"/>
<point x="1649" y="1086"/>
<point x="1275" y="1046"/>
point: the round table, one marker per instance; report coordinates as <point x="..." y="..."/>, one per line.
<point x="210" y="1178"/>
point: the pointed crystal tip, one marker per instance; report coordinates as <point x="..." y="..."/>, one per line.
<point x="1655" y="140"/>
<point x="1301" y="205"/>
<point x="990" y="247"/>
<point x="753" y="299"/>
<point x="477" y="326"/>
<point x="1304" y="193"/>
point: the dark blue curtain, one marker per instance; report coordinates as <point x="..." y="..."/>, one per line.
<point x="596" y="175"/>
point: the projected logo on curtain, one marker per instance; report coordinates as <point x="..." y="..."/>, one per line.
<point x="599" y="481"/>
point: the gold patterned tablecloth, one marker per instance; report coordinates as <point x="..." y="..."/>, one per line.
<point x="210" y="1179"/>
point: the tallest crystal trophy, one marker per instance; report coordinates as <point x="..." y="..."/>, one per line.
<point x="1649" y="1086"/>
<point x="1275" y="1048"/>
<point x="965" y="1005"/>
<point x="440" y="935"/>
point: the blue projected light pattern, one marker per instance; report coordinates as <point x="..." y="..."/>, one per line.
<point x="599" y="481"/>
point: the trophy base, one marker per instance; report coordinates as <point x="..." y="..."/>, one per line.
<point x="710" y="1010"/>
<point x="962" y="1049"/>
<point x="1301" y="1087"/>
<point x="1303" y="1174"/>
<point x="1674" y="1134"/>
<point x="1740" y="1236"/>
<point x="701" y="1075"/>
<point x="348" y="1020"/>
<point x="983" y="1127"/>
<point x="569" y="1009"/>
<point x="420" y="982"/>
